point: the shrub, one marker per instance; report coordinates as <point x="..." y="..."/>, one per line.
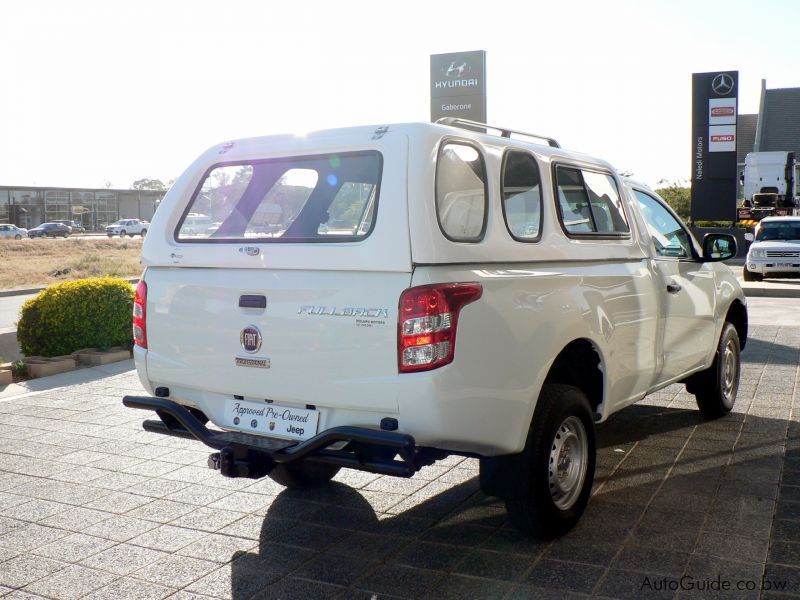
<point x="87" y="313"/>
<point x="19" y="368"/>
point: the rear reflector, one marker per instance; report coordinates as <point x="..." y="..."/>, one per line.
<point x="140" y="315"/>
<point x="426" y="331"/>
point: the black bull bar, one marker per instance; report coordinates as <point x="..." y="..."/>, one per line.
<point x="249" y="455"/>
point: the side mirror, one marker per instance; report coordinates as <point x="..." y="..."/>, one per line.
<point x="718" y="246"/>
<point x="749" y="236"/>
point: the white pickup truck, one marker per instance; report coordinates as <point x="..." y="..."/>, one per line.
<point x="129" y="227"/>
<point x="381" y="297"/>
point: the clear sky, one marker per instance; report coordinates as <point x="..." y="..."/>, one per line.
<point x="116" y="91"/>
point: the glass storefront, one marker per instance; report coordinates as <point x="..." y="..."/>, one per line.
<point x="27" y="207"/>
<point x="5" y="213"/>
<point x="94" y="209"/>
<point x="56" y="205"/>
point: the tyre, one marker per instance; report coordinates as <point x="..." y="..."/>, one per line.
<point x="748" y="275"/>
<point x="130" y="235"/>
<point x="715" y="388"/>
<point x="18" y="237"/>
<point x="144" y="232"/>
<point x="122" y="233"/>
<point x="561" y="446"/>
<point x="65" y="236"/>
<point x="303" y="474"/>
<point x="110" y="235"/>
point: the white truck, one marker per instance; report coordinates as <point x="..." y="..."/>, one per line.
<point x="129" y="227"/>
<point x="421" y="290"/>
<point x="769" y="181"/>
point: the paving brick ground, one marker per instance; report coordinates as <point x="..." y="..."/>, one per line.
<point x="91" y="506"/>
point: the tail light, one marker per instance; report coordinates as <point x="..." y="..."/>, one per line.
<point x="140" y="315"/>
<point x="426" y="329"/>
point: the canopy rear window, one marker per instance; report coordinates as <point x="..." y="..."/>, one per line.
<point x="330" y="198"/>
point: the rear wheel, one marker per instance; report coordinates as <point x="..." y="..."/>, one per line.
<point x="303" y="474"/>
<point x="748" y="275"/>
<point x="715" y="388"/>
<point x="144" y="232"/>
<point x="561" y="444"/>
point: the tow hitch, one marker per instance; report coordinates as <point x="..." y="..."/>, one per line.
<point x="250" y="465"/>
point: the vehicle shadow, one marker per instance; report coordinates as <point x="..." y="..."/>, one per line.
<point x="663" y="475"/>
<point x="759" y="351"/>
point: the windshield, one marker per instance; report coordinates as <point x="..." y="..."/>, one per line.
<point x="780" y="230"/>
<point x="314" y="198"/>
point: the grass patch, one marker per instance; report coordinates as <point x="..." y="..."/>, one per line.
<point x="27" y="263"/>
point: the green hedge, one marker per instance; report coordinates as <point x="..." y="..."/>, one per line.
<point x="87" y="313"/>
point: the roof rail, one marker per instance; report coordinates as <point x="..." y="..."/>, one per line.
<point x="504" y="131"/>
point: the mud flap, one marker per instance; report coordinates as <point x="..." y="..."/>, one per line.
<point x="506" y="476"/>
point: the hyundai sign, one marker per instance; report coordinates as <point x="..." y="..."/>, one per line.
<point x="458" y="85"/>
<point x="714" y="168"/>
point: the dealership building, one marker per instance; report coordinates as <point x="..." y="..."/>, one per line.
<point x="94" y="208"/>
<point x="776" y="127"/>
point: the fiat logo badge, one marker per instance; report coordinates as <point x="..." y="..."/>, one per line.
<point x="250" y="338"/>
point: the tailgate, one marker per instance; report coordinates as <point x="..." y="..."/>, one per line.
<point x="327" y="338"/>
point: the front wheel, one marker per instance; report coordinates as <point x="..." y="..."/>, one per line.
<point x="122" y="233"/>
<point x="561" y="443"/>
<point x="748" y="275"/>
<point x="18" y="237"/>
<point x="303" y="474"/>
<point x="715" y="388"/>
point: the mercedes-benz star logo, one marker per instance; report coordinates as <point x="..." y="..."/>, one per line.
<point x="722" y="84"/>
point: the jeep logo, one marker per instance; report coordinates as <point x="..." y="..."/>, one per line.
<point x="250" y="339"/>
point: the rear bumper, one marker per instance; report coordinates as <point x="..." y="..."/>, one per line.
<point x="248" y="455"/>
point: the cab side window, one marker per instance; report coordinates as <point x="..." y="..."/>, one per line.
<point x="670" y="239"/>
<point x="522" y="196"/>
<point x="589" y="202"/>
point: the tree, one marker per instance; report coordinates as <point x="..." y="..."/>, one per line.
<point x="149" y="184"/>
<point x="678" y="195"/>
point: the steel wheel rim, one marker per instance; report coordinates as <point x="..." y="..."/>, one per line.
<point x="569" y="454"/>
<point x="730" y="370"/>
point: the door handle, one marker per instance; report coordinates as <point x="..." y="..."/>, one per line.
<point x="673" y="288"/>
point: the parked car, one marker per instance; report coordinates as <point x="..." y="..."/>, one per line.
<point x="50" y="230"/>
<point x="129" y="227"/>
<point x="197" y="224"/>
<point x="492" y="297"/>
<point x="75" y="226"/>
<point x="12" y="231"/>
<point x="775" y="249"/>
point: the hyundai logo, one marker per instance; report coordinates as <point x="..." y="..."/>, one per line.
<point x="722" y="84"/>
<point x="454" y="71"/>
<point x="250" y="339"/>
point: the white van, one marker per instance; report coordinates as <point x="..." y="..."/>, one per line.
<point x="380" y="297"/>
